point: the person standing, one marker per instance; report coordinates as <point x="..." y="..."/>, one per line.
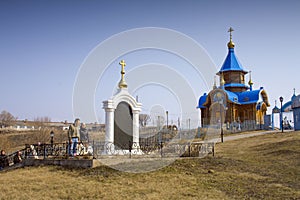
<point x="74" y="137"/>
<point x="4" y="162"/>
<point x="84" y="135"/>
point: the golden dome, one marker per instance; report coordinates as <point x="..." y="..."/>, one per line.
<point x="250" y="82"/>
<point x="250" y="79"/>
<point x="230" y="44"/>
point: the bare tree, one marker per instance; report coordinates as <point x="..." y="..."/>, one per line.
<point x="42" y="119"/>
<point x="144" y="119"/>
<point x="43" y="133"/>
<point x="6" y="118"/>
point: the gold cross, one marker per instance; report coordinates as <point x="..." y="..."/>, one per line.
<point x="230" y="30"/>
<point x="122" y="83"/>
<point x="123" y="64"/>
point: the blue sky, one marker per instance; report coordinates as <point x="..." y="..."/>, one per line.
<point x="44" y="43"/>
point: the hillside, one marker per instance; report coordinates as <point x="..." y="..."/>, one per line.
<point x="262" y="167"/>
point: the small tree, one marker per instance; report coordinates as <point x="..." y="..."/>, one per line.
<point x="6" y="118"/>
<point x="144" y="119"/>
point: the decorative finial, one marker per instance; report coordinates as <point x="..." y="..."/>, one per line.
<point x="275" y="103"/>
<point x="294" y="91"/>
<point x="122" y="83"/>
<point x="215" y="84"/>
<point x="250" y="81"/>
<point x="230" y="43"/>
<point x="222" y="82"/>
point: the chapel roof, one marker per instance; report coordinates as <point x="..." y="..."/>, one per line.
<point x="231" y="62"/>
<point x="241" y="98"/>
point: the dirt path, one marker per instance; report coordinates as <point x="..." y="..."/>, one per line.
<point x="245" y="135"/>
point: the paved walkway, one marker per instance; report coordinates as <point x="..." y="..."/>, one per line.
<point x="245" y="135"/>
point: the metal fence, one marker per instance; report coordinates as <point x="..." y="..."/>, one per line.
<point x="154" y="149"/>
<point x="42" y="151"/>
<point x="99" y="149"/>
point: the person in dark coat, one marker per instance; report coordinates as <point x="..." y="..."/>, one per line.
<point x="18" y="157"/>
<point x="3" y="160"/>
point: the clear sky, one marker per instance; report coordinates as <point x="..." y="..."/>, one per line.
<point x="44" y="43"/>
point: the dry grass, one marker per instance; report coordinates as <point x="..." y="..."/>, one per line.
<point x="264" y="167"/>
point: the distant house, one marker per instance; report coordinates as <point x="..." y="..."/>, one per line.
<point x="287" y="113"/>
<point x="296" y="112"/>
<point x="23" y="127"/>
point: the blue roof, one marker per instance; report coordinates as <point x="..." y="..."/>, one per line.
<point x="275" y="110"/>
<point x="287" y="105"/>
<point x="247" y="97"/>
<point x="293" y="97"/>
<point x="232" y="96"/>
<point x="231" y="63"/>
<point x="202" y="101"/>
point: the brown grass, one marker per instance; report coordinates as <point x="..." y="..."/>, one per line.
<point x="264" y="167"/>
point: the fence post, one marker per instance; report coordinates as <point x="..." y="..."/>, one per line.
<point x="26" y="154"/>
<point x="67" y="149"/>
<point x="130" y="148"/>
<point x="44" y="151"/>
<point x="189" y="149"/>
<point x="161" y="149"/>
<point x="94" y="149"/>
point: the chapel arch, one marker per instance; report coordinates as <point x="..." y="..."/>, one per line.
<point x="123" y="125"/>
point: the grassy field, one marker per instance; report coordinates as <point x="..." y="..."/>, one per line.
<point x="263" y="167"/>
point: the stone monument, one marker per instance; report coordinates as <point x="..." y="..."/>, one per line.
<point x="121" y="119"/>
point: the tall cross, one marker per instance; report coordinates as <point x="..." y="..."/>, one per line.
<point x="294" y="91"/>
<point x="123" y="64"/>
<point x="122" y="83"/>
<point x="230" y="31"/>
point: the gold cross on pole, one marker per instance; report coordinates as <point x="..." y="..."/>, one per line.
<point x="230" y="31"/>
<point x="123" y="64"/>
<point x="122" y="83"/>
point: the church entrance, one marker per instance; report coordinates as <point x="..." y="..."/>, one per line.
<point x="218" y="114"/>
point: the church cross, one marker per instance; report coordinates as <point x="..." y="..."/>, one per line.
<point x="122" y="83"/>
<point x="123" y="64"/>
<point x="230" y="31"/>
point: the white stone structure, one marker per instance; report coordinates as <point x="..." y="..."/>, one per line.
<point x="111" y="105"/>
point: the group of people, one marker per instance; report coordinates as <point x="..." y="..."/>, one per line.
<point x="4" y="160"/>
<point x="77" y="133"/>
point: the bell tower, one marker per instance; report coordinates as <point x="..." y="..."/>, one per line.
<point x="232" y="74"/>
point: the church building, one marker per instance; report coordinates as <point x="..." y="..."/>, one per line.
<point x="233" y="103"/>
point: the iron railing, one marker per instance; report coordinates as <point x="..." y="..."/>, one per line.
<point x="100" y="149"/>
<point x="162" y="149"/>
